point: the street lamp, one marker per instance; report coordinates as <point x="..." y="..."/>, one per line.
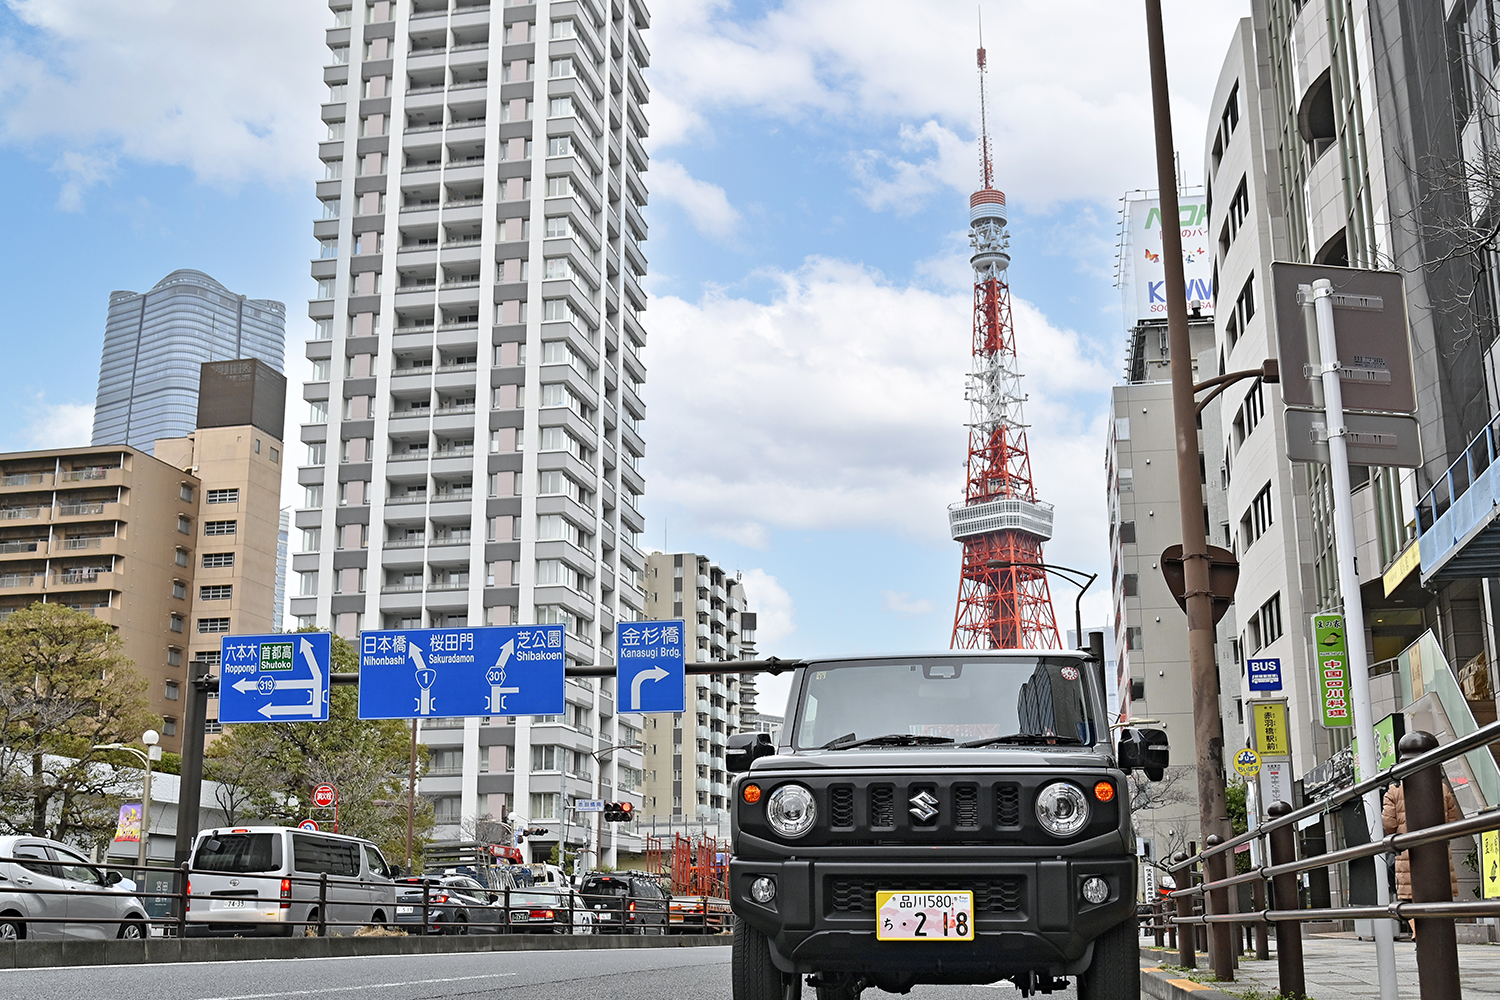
<point x="599" y="790"/>
<point x="1066" y="573"/>
<point x="151" y="740"/>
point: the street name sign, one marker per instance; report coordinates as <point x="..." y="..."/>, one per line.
<point x="282" y="677"/>
<point x="449" y="673"/>
<point x="589" y="806"/>
<point x="1270" y="728"/>
<point x="1265" y="675"/>
<point x="651" y="671"/>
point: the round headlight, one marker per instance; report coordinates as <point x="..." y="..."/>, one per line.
<point x="1061" y="809"/>
<point x="790" y="810"/>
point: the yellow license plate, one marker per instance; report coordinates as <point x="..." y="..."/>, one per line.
<point x="924" y="916"/>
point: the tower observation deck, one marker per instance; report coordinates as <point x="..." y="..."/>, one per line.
<point x="1008" y="605"/>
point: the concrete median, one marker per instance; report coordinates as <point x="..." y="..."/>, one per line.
<point x="51" y="954"/>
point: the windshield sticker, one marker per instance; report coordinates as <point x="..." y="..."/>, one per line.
<point x="821" y="675"/>
<point x="1070" y="673"/>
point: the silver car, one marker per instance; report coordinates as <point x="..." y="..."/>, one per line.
<point x="50" y="891"/>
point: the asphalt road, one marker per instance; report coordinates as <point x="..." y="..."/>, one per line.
<point x="635" y="974"/>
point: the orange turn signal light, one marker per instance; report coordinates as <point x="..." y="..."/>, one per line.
<point x="1104" y="791"/>
<point x="751" y="794"/>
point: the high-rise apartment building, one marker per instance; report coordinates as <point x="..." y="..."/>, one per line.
<point x="154" y="343"/>
<point x="685" y="775"/>
<point x="113" y="532"/>
<point x="473" y="436"/>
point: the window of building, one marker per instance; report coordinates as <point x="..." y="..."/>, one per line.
<point x="545" y="805"/>
<point x="207" y="626"/>
<point x="186" y="492"/>
<point x="1257" y="517"/>
<point x="181" y="557"/>
<point x="223" y="496"/>
<point x="218" y="560"/>
<point x="179" y="590"/>
<point x="1127" y="532"/>
<point x="308" y="583"/>
<point x="447" y="810"/>
<point x="169" y="727"/>
<point x="1133" y="637"/>
<point x="560" y="68"/>
<point x="1131" y="584"/>
<point x="559" y="145"/>
<point x="558" y="227"/>
<point x="174" y="657"/>
<point x="1270" y="620"/>
<point x="220" y="527"/>
<point x="275" y="456"/>
<point x="217" y="592"/>
<point x="317" y="453"/>
<point x="172" y="691"/>
<point x="312" y="497"/>
<point x="184" y="525"/>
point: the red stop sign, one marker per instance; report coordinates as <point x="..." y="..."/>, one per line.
<point x="324" y="796"/>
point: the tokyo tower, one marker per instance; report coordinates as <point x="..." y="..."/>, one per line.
<point x="1003" y="598"/>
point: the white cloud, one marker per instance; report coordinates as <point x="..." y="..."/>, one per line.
<point x="775" y="612"/>
<point x="229" y="91"/>
<point x="900" y="603"/>
<point x="56" y="425"/>
<point x="839" y="404"/>
<point x="1069" y="95"/>
<point x="706" y="205"/>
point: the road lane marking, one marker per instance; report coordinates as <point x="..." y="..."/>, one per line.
<point x="366" y="986"/>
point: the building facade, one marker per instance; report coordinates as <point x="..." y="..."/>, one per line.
<point x="684" y="759"/>
<point x="236" y="454"/>
<point x="113" y="532"/>
<point x="473" y="434"/>
<point x="154" y="343"/>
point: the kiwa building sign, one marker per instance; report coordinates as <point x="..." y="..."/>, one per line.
<point x="1142" y="275"/>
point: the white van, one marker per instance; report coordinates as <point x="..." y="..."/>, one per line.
<point x="265" y="880"/>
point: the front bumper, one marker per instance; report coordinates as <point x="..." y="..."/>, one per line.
<point x="1028" y="915"/>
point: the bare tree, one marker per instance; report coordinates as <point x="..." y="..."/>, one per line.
<point x="1174" y="788"/>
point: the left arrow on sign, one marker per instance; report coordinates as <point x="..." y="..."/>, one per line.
<point x="311" y="711"/>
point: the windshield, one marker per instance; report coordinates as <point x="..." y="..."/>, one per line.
<point x="943" y="700"/>
<point x="238" y="852"/>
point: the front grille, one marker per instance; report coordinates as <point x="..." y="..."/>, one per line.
<point x="966" y="807"/>
<point x="992" y="894"/>
<point x="841" y="806"/>
<point x="883" y="806"/>
<point x="1007" y="805"/>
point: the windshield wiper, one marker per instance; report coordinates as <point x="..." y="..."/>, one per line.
<point x="1025" y="739"/>
<point x="848" y="741"/>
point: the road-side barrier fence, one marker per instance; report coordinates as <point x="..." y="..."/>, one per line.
<point x="1203" y="877"/>
<point x="418" y="905"/>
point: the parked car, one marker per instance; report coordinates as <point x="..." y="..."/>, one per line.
<point x="265" y="880"/>
<point x="625" y="904"/>
<point x="89" y="902"/>
<point x="456" y="904"/>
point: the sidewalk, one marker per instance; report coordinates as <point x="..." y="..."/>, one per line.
<point x="1336" y="968"/>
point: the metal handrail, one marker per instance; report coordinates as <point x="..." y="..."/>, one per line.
<point x="1480" y="737"/>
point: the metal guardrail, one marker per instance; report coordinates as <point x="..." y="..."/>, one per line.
<point x="506" y="910"/>
<point x="1432" y="906"/>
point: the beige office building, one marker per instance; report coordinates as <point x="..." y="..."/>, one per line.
<point x="686" y="780"/>
<point x="113" y="532"/>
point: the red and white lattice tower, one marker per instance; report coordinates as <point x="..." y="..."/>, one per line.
<point x="1009" y="606"/>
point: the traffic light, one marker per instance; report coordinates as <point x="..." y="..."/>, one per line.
<point x="618" y="812"/>
<point x="530" y="831"/>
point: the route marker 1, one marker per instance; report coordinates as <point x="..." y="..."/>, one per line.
<point x="651" y="668"/>
<point x="282" y="677"/>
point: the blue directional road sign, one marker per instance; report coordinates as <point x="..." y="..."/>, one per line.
<point x="282" y="677"/>
<point x="445" y="673"/>
<point x="1265" y="675"/>
<point x="651" y="672"/>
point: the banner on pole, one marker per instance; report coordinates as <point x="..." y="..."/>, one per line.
<point x="1333" y="670"/>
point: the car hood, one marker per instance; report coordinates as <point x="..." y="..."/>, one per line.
<point x="937" y="758"/>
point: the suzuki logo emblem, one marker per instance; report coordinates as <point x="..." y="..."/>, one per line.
<point x="924" y="806"/>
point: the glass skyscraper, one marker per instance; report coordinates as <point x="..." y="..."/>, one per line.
<point x="155" y="344"/>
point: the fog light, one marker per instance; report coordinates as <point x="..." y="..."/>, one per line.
<point x="763" y="889"/>
<point x="1095" y="889"/>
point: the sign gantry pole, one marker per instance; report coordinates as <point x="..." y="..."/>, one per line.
<point x="1358" y="665"/>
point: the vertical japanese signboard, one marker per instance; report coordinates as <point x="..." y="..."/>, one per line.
<point x="1271" y="737"/>
<point x="1333" y="670"/>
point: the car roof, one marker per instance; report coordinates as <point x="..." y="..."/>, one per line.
<point x="223" y="830"/>
<point x="952" y="654"/>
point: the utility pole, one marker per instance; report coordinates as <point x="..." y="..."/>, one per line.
<point x="1208" y="732"/>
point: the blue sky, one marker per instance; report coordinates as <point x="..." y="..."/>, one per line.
<point x="809" y="325"/>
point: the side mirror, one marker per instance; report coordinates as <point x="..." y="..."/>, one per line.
<point x="494" y="897"/>
<point x="1144" y="750"/>
<point x="745" y="749"/>
<point x="113" y="878"/>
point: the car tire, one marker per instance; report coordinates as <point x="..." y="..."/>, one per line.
<point x="753" y="976"/>
<point x="1115" y="972"/>
<point x="460" y="924"/>
<point x="310" y="928"/>
<point x="133" y="929"/>
<point x="12" y="928"/>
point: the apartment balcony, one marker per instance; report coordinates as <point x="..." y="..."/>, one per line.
<point x="707" y="760"/>
<point x="404" y="498"/>
<point x="21" y="481"/>
<point x="91" y="509"/>
<point x="1458" y="520"/>
<point x="703" y="784"/>
<point x="19" y="581"/>
<point x="91" y="579"/>
<point x="94" y="476"/>
<point x="717" y="738"/>
<point x="25" y="513"/>
<point x="704" y="732"/>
